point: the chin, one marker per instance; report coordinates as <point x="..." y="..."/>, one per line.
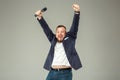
<point x="60" y="40"/>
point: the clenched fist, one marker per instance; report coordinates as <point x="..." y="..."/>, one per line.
<point x="76" y="7"/>
<point x="39" y="14"/>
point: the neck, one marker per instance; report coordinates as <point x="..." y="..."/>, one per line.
<point x="59" y="41"/>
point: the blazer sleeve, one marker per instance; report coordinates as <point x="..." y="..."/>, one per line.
<point x="74" y="27"/>
<point x="50" y="35"/>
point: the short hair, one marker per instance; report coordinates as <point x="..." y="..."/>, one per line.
<point x="60" y="26"/>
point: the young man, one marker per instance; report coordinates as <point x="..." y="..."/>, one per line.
<point x="62" y="56"/>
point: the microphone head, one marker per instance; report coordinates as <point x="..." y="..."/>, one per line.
<point x="44" y="9"/>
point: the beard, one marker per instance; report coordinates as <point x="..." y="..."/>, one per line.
<point x="59" y="40"/>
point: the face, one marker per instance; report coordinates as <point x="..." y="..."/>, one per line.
<point x="60" y="33"/>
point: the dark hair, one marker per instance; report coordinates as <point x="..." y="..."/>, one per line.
<point x="60" y="26"/>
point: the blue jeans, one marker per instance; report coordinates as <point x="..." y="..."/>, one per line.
<point x="59" y="75"/>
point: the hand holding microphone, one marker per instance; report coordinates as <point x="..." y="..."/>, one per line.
<point x="76" y="8"/>
<point x="38" y="13"/>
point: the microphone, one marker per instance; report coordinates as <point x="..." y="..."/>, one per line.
<point x="43" y="10"/>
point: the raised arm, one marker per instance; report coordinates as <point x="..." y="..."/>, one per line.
<point x="44" y="26"/>
<point x="75" y="23"/>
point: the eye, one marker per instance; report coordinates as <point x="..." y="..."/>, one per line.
<point x="63" y="31"/>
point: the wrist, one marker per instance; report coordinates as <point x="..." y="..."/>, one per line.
<point x="39" y="17"/>
<point x="77" y="12"/>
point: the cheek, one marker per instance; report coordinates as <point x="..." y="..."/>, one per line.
<point x="56" y="35"/>
<point x="63" y="34"/>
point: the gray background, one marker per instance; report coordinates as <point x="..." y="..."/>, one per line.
<point x="24" y="46"/>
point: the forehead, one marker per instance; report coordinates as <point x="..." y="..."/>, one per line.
<point x="61" y="28"/>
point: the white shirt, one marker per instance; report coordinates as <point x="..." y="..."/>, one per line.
<point x="60" y="57"/>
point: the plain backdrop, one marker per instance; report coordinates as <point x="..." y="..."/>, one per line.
<point x="24" y="46"/>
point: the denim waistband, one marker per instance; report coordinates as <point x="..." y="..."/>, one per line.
<point x="61" y="69"/>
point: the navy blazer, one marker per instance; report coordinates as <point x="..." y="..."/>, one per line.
<point x="68" y="43"/>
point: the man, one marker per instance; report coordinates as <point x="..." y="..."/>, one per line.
<point x="62" y="56"/>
